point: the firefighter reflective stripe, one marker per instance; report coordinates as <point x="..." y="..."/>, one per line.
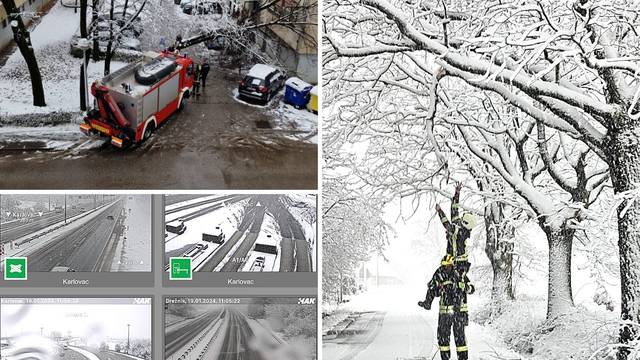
<point x="448" y="282"/>
<point x="445" y="348"/>
<point x="462" y="348"/>
<point x="444" y="309"/>
<point x="464" y="308"/>
<point x="455" y="205"/>
<point x="444" y="219"/>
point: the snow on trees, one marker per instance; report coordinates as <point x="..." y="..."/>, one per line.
<point x="571" y="71"/>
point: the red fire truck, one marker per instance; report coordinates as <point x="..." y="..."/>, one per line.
<point x="132" y="102"/>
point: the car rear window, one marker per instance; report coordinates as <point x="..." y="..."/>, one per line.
<point x="249" y="80"/>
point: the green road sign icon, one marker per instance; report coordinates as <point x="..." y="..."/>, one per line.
<point x="15" y="268"/>
<point x="180" y="268"/>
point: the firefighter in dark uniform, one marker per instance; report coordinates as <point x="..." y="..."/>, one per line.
<point x="452" y="287"/>
<point x="458" y="232"/>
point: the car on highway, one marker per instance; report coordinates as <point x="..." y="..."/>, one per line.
<point x="109" y="217"/>
<point x="261" y="83"/>
<point x="258" y="264"/>
<point x="62" y="269"/>
<point x="176" y="227"/>
<point x="196" y="250"/>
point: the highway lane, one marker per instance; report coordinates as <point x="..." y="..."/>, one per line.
<point x="236" y="341"/>
<point x="241" y="252"/>
<point x="223" y="250"/>
<point x="294" y="250"/>
<point x="185" y="334"/>
<point x="78" y="248"/>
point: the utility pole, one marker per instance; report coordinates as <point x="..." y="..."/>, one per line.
<point x="128" y="337"/>
<point x="65" y="209"/>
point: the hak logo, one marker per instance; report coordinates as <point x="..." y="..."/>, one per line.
<point x="306" y="301"/>
<point x="142" y="301"/>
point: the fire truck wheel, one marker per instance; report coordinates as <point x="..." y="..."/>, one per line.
<point x="148" y="131"/>
<point x="183" y="102"/>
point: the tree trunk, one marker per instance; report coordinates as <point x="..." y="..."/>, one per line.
<point x="560" y="298"/>
<point x="109" y="54"/>
<point x="499" y="249"/>
<point x="624" y="165"/>
<point x="94" y="22"/>
<point x="23" y="41"/>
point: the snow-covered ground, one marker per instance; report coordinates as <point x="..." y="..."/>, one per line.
<point x="300" y="123"/>
<point x="287" y="117"/>
<point x="406" y="331"/>
<point x="60" y="71"/>
<point x="134" y="248"/>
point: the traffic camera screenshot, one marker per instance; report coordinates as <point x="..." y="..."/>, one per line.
<point x="75" y="233"/>
<point x="240" y="233"/>
<point x="76" y="328"/>
<point x="211" y="328"/>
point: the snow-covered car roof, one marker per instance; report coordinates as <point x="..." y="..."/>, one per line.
<point x="314" y="91"/>
<point x="297" y="83"/>
<point x="261" y="71"/>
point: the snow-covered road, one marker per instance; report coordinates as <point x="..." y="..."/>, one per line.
<point x="391" y="326"/>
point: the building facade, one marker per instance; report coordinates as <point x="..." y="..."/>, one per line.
<point x="295" y="46"/>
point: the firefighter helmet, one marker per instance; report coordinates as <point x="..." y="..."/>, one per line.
<point x="447" y="260"/>
<point x="469" y="221"/>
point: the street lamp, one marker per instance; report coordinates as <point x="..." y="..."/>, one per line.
<point x="84" y="44"/>
<point x="128" y="337"/>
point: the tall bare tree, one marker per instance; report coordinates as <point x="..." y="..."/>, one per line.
<point x="23" y="41"/>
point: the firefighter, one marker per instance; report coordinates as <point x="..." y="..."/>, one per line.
<point x="452" y="287"/>
<point x="205" y="71"/>
<point x="458" y="231"/>
<point x="196" y="79"/>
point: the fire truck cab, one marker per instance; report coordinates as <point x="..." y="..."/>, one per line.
<point x="135" y="100"/>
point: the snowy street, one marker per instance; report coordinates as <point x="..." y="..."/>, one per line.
<point x="386" y="323"/>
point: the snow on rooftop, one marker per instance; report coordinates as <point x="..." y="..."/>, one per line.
<point x="260" y="71"/>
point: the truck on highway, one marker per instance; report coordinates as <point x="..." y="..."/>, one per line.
<point x="216" y="237"/>
<point x="267" y="246"/>
<point x="134" y="101"/>
<point x="176" y="227"/>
